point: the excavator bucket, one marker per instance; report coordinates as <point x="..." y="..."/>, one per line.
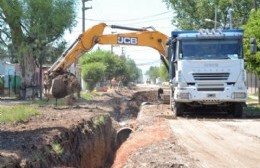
<point x="164" y="95"/>
<point x="59" y="88"/>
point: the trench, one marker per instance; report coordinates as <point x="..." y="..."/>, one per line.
<point x="125" y="114"/>
<point x="89" y="143"/>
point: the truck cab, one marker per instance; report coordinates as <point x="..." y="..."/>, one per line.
<point x="207" y="70"/>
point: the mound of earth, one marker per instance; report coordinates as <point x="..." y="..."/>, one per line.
<point x="76" y="136"/>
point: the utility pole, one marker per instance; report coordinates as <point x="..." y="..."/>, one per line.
<point x="112" y="45"/>
<point x="123" y="52"/>
<point x="83" y="13"/>
<point x="77" y="68"/>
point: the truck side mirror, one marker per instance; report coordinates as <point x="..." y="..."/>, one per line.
<point x="168" y="51"/>
<point x="253" y="46"/>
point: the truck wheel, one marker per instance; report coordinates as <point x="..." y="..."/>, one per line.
<point x="238" y="110"/>
<point x="178" y="108"/>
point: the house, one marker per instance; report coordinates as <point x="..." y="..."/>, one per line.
<point x="8" y="76"/>
<point x="6" y="69"/>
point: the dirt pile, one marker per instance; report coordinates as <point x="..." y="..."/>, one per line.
<point x="84" y="141"/>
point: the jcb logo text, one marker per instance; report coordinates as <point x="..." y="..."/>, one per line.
<point x="127" y="40"/>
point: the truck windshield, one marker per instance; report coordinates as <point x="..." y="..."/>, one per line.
<point x="210" y="49"/>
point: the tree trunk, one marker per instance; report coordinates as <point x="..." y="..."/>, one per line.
<point x="29" y="76"/>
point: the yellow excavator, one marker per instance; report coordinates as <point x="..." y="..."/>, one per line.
<point x="58" y="82"/>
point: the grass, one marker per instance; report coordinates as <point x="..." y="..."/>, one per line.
<point x="253" y="106"/>
<point x="86" y="95"/>
<point x="89" y="95"/>
<point x="252" y="109"/>
<point x="99" y="121"/>
<point x="60" y="102"/>
<point x="16" y="113"/>
<point x="251" y="100"/>
<point x="56" y="147"/>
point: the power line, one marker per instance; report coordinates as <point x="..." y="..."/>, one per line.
<point x="127" y="20"/>
<point x="106" y="21"/>
<point x="148" y="63"/>
<point x="150" y="20"/>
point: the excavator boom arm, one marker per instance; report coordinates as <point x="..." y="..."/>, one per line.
<point x="83" y="44"/>
<point x="59" y="83"/>
<point x="94" y="35"/>
<point x="153" y="39"/>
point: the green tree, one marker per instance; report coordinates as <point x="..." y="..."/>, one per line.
<point x="115" y="66"/>
<point x="191" y="14"/>
<point x="140" y="76"/>
<point x="132" y="70"/>
<point x="33" y="25"/>
<point x="93" y="73"/>
<point x="252" y="31"/>
<point x="164" y="75"/>
<point x="153" y="73"/>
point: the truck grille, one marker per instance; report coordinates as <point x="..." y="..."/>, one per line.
<point x="210" y="76"/>
<point x="211" y="87"/>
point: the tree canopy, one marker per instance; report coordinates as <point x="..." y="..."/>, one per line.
<point x="107" y="66"/>
<point x="252" y="31"/>
<point x="31" y="28"/>
<point x="92" y="73"/>
<point x="197" y="14"/>
<point x="191" y="14"/>
<point x="153" y="73"/>
<point x="35" y="23"/>
<point x="164" y="75"/>
<point x="133" y="72"/>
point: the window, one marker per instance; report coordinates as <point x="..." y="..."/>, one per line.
<point x="210" y="49"/>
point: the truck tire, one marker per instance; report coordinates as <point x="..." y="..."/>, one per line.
<point x="178" y="108"/>
<point x="237" y="110"/>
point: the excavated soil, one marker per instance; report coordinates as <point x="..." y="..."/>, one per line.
<point x="152" y="143"/>
<point x="84" y="135"/>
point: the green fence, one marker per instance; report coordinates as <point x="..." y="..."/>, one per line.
<point x="11" y="87"/>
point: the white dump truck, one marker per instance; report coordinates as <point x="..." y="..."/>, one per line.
<point x="207" y="71"/>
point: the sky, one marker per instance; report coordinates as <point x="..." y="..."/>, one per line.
<point x="131" y="13"/>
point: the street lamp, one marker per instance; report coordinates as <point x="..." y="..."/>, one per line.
<point x="215" y="23"/>
<point x="230" y="18"/>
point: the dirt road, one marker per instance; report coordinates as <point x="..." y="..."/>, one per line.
<point x="195" y="140"/>
<point x="219" y="142"/>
